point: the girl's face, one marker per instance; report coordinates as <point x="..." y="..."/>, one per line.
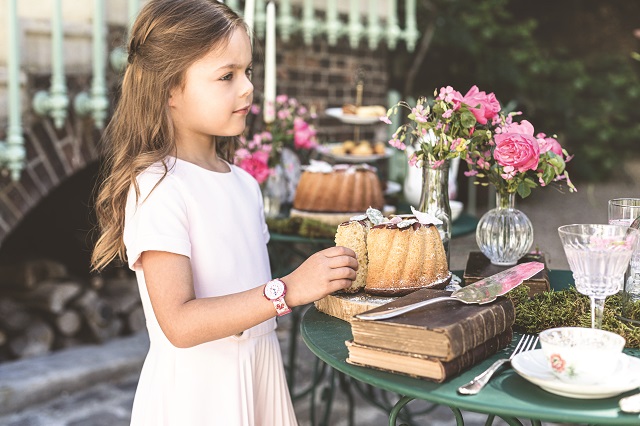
<point x="217" y="93"/>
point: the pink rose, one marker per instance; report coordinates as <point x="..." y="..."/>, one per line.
<point x="256" y="168"/>
<point x="548" y="144"/>
<point x="304" y="135"/>
<point x="517" y="147"/>
<point x="484" y="107"/>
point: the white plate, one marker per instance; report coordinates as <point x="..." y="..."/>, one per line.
<point x="533" y="366"/>
<point x="349" y="158"/>
<point x="351" y="118"/>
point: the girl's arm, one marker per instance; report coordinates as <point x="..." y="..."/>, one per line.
<point x="187" y="321"/>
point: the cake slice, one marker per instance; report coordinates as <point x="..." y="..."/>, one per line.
<point x="353" y="234"/>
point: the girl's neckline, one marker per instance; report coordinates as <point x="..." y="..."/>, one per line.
<point x="179" y="160"/>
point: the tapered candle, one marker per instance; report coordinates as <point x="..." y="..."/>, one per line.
<point x="393" y="32"/>
<point x="269" y="113"/>
<point x="249" y="9"/>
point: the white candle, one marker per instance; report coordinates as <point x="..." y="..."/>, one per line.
<point x="270" y="65"/>
<point x="249" y="9"/>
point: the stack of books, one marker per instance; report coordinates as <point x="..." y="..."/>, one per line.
<point x="435" y="342"/>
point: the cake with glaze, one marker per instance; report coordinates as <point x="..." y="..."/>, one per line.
<point x="404" y="256"/>
<point x="395" y="256"/>
<point x="332" y="194"/>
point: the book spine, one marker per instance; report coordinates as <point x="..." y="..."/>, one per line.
<point x="473" y="330"/>
<point x="477" y="354"/>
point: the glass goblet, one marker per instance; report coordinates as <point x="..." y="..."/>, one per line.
<point x="598" y="256"/>
<point x="623" y="211"/>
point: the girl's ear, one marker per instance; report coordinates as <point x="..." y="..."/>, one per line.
<point x="171" y="101"/>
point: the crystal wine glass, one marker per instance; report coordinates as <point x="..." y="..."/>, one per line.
<point x="598" y="256"/>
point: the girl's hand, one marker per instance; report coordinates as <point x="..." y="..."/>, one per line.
<point x="321" y="274"/>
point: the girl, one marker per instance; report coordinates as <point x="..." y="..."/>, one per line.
<point x="191" y="225"/>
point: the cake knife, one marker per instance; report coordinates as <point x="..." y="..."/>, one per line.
<point x="481" y="292"/>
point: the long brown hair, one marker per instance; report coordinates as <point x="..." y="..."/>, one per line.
<point x="166" y="38"/>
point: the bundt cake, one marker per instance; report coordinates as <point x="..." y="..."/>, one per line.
<point x="338" y="189"/>
<point x="405" y="255"/>
<point x="395" y="256"/>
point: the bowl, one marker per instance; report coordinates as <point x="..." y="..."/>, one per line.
<point x="582" y="356"/>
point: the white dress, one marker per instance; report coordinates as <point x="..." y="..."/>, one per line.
<point x="217" y="220"/>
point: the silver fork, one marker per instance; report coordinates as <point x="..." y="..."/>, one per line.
<point x="526" y="343"/>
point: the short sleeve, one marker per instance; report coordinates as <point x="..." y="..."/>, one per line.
<point x="157" y="221"/>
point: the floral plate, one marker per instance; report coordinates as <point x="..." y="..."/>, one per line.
<point x="533" y="366"/>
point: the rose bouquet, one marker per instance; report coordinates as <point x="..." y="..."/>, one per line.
<point x="291" y="128"/>
<point x="263" y="149"/>
<point x="516" y="159"/>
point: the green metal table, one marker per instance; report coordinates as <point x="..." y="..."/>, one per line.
<point x="287" y="252"/>
<point x="507" y="395"/>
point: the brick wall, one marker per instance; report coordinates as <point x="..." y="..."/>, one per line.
<point x="324" y="76"/>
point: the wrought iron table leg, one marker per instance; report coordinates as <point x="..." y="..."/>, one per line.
<point x="396" y="409"/>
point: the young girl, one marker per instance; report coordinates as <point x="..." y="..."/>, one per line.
<point x="191" y="225"/>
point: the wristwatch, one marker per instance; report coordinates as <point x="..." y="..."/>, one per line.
<point x="275" y="291"/>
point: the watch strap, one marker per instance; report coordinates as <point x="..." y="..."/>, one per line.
<point x="281" y="306"/>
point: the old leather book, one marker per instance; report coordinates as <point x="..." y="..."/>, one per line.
<point x="444" y="330"/>
<point x="479" y="267"/>
<point x="423" y="366"/>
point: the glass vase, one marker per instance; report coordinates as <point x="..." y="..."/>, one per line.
<point x="504" y="234"/>
<point x="435" y="198"/>
<point x="274" y="192"/>
<point x="292" y="169"/>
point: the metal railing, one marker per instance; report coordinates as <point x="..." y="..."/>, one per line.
<point x="12" y="152"/>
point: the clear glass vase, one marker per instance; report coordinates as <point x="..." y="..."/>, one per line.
<point x="504" y="234"/>
<point x="435" y="198"/>
<point x="274" y="192"/>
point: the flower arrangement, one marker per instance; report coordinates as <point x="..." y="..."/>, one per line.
<point x="472" y="127"/>
<point x="446" y="129"/>
<point x="291" y="129"/>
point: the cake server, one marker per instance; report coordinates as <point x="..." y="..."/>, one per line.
<point x="484" y="291"/>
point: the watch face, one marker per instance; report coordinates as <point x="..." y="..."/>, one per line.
<point x="274" y="289"/>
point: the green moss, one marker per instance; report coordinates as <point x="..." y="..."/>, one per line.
<point x="568" y="308"/>
<point x="302" y="227"/>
